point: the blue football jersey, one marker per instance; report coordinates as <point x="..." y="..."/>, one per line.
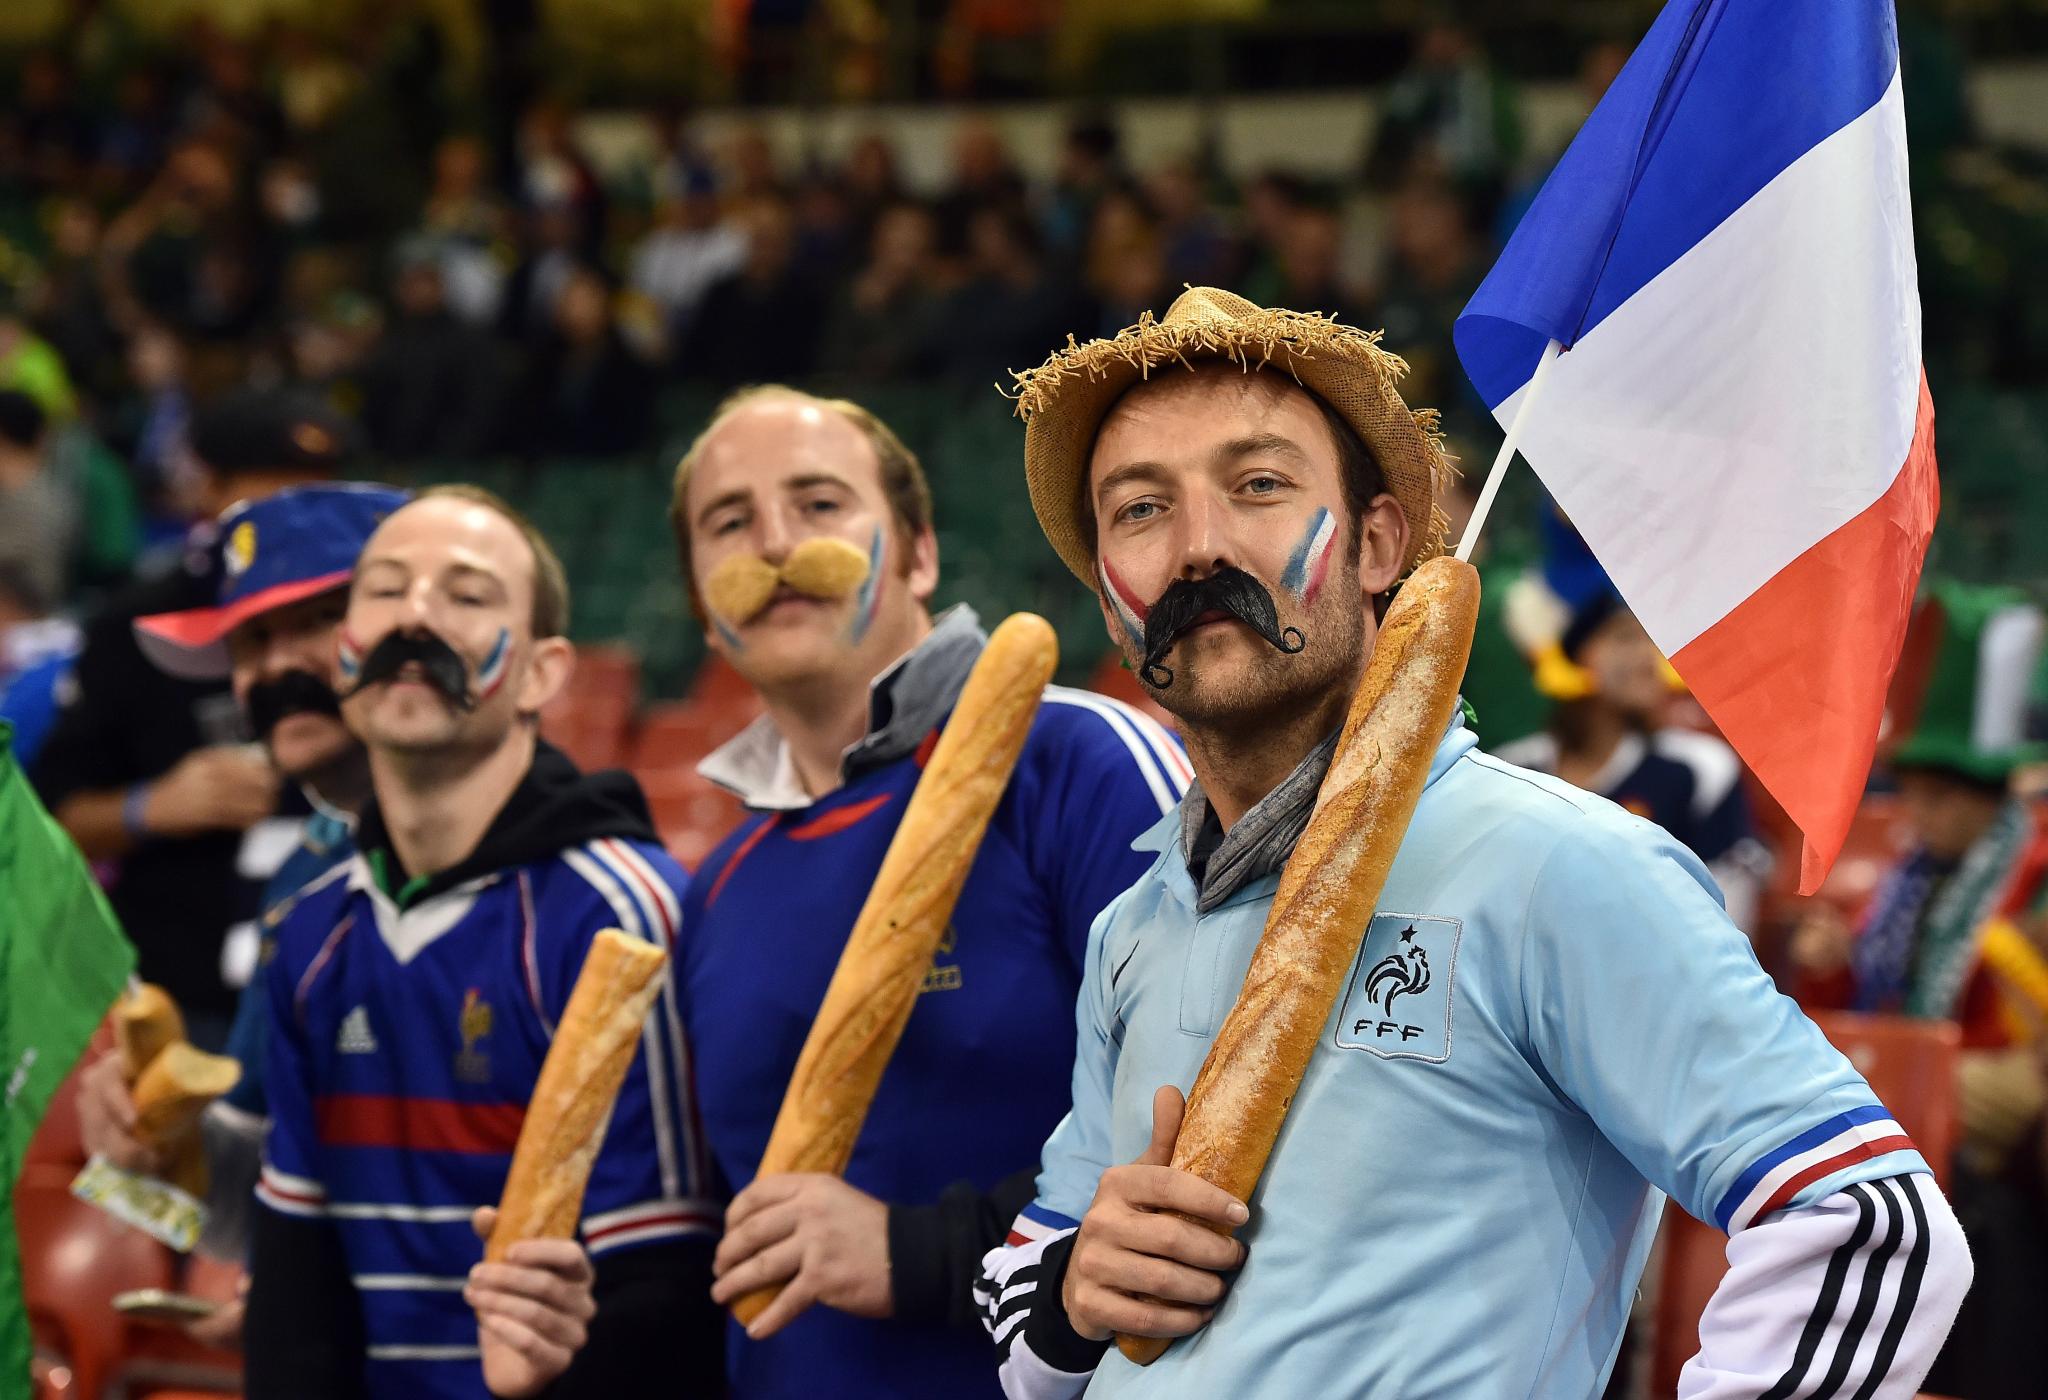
<point x="405" y="1043"/>
<point x="982" y="1071"/>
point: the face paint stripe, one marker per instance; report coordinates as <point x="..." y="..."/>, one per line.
<point x="348" y="654"/>
<point x="1304" y="567"/>
<point x="494" y="669"/>
<point x="870" y="590"/>
<point x="1112" y="589"/>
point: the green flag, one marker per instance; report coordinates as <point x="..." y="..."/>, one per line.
<point x="63" y="960"/>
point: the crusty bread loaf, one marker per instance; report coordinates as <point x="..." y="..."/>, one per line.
<point x="1329" y="888"/>
<point x="175" y="1088"/>
<point x="579" y="1081"/>
<point x="145" y="1021"/>
<point x="875" y="986"/>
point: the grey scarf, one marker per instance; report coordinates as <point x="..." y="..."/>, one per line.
<point x="1261" y="840"/>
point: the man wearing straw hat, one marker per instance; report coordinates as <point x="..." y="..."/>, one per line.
<point x="1551" y="1021"/>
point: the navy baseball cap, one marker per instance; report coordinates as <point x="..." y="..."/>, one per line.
<point x="288" y="546"/>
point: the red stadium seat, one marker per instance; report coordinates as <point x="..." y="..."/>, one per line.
<point x="1912" y="1066"/>
<point x="592" y="717"/>
<point x="74" y="1259"/>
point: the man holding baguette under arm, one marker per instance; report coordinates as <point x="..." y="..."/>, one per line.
<point x="805" y="530"/>
<point x="1550" y="1023"/>
<point x="416" y="992"/>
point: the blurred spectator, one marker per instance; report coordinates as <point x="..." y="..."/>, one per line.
<point x="469" y="224"/>
<point x="873" y="183"/>
<point x="432" y="385"/>
<point x="1195" y="246"/>
<point x="1270" y="201"/>
<point x="589" y="394"/>
<point x="1126" y="262"/>
<point x="1091" y="164"/>
<point x="691" y="247"/>
<point x="881" y="327"/>
<point x="751" y="166"/>
<point x="1449" y="115"/>
<point x="151" y="772"/>
<point x="38" y="519"/>
<point x="152" y="424"/>
<point x="36" y="655"/>
<point x="189" y="253"/>
<point x="131" y="144"/>
<point x="1609" y="736"/>
<point x="65" y="300"/>
<point x="551" y="257"/>
<point x="1009" y="303"/>
<point x="554" y="174"/>
<point x="984" y="177"/>
<point x="56" y="133"/>
<point x="1309" y="261"/>
<point x="1435" y="263"/>
<point x="1955" y="737"/>
<point x="761" y="323"/>
<point x="827" y="238"/>
<point x="30" y="365"/>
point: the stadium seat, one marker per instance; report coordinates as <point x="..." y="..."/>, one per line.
<point x="1912" y="1066"/>
<point x="592" y="717"/>
<point x="74" y="1259"/>
<point x="692" y="813"/>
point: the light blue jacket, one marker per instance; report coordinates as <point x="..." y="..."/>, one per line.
<point x="1550" y="1022"/>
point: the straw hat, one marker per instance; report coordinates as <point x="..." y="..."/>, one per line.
<point x="1064" y="400"/>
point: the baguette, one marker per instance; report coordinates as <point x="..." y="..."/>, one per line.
<point x="175" y="1088"/>
<point x="145" y="1021"/>
<point x="875" y="987"/>
<point x="1329" y="888"/>
<point x="579" y="1081"/>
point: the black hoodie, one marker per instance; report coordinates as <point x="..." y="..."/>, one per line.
<point x="303" y="1335"/>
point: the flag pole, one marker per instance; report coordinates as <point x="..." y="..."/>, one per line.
<point x="1506" y="454"/>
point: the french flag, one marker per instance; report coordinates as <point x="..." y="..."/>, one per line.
<point x="1741" y="427"/>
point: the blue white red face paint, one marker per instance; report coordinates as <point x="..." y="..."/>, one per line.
<point x="869" y="597"/>
<point x="348" y="657"/>
<point x="1309" y="563"/>
<point x="497" y="664"/>
<point x="1123" y="604"/>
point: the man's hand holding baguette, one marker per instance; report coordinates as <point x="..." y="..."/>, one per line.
<point x="1138" y="1267"/>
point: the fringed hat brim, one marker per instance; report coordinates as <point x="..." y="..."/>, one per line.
<point x="1064" y="400"/>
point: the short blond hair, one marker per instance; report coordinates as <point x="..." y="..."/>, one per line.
<point x="903" y="480"/>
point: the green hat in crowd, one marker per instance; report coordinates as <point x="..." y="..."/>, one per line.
<point x="1966" y="683"/>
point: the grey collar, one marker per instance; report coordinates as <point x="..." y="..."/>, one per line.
<point x="905" y="703"/>
<point x="1259" y="843"/>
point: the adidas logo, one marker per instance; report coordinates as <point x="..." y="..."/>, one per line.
<point x="355" y="1037"/>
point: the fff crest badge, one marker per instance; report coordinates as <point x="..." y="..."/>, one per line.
<point x="1398" y="1005"/>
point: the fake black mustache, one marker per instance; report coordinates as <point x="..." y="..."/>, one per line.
<point x="441" y="666"/>
<point x="272" y="702"/>
<point x="1231" y="591"/>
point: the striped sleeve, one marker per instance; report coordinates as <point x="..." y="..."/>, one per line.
<point x="1112" y="772"/>
<point x="1038" y="1355"/>
<point x="653" y="1176"/>
<point x="288" y="1181"/>
<point x="1849" y="1297"/>
<point x="1815" y="1163"/>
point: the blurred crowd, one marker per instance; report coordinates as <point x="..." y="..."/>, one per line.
<point x="453" y="273"/>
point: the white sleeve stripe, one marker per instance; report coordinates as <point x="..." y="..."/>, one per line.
<point x="1171" y="759"/>
<point x="694" y="1146"/>
<point x="304" y="1187"/>
<point x="1848" y="1299"/>
<point x="1025" y="1377"/>
<point x="529" y="952"/>
<point x="678" y="1229"/>
<point x="1147" y="762"/>
<point x="632" y="919"/>
<point x="647" y="1210"/>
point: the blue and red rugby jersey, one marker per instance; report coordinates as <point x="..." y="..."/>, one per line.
<point x="407" y="1030"/>
<point x="984" y="1069"/>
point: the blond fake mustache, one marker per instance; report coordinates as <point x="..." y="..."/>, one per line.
<point x="824" y="567"/>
